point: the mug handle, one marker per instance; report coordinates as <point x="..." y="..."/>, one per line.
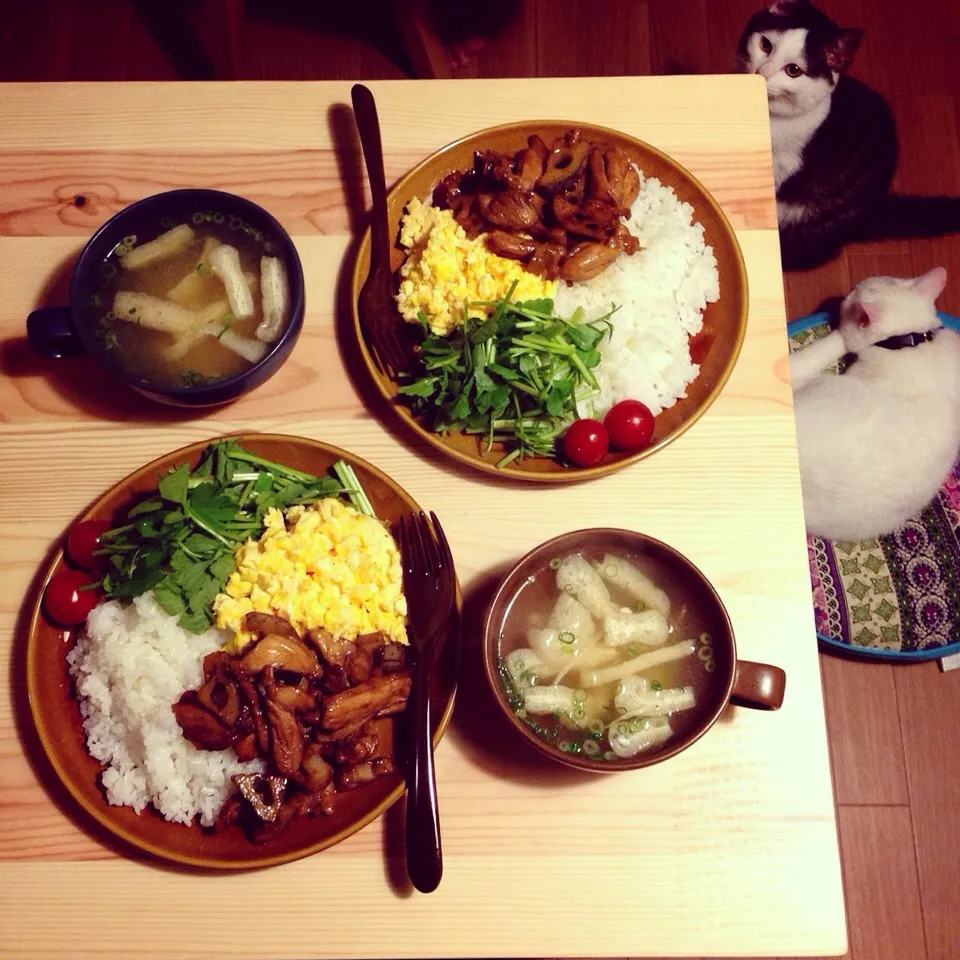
<point x="50" y="333"/>
<point x="758" y="685"/>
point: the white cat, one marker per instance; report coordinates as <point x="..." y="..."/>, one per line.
<point x="877" y="442"/>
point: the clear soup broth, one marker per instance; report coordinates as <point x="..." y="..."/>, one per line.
<point x="609" y="655"/>
<point x="172" y="310"/>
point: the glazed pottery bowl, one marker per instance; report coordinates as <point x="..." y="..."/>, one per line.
<point x="65" y="331"/>
<point x="697" y="615"/>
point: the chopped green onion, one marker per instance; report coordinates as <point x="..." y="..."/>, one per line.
<point x="632" y="651"/>
<point x="555" y="563"/>
<point x="579" y="696"/>
<point x="566" y="637"/>
<point x="352" y="488"/>
<point x="591" y="748"/>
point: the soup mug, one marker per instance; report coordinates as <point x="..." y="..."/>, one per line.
<point x="57" y="332"/>
<point x="741" y="682"/>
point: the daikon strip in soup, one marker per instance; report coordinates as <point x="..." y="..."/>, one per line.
<point x="199" y="302"/>
<point x="608" y="655"/>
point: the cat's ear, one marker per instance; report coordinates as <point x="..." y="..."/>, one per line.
<point x="862" y="314"/>
<point x="839" y="51"/>
<point x="931" y="283"/>
<point x="780" y="8"/>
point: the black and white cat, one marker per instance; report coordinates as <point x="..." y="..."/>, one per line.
<point x="877" y="443"/>
<point x="834" y="140"/>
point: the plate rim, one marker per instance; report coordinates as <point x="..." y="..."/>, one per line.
<point x="570" y="474"/>
<point x="832" y="644"/>
<point x="48" y="742"/>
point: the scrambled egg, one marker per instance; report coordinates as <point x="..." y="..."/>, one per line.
<point x="445" y="270"/>
<point x="322" y="565"/>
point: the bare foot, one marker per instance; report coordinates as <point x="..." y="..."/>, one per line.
<point x="461" y="52"/>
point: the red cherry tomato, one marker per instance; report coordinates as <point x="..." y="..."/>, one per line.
<point x="64" y="601"/>
<point x="585" y="443"/>
<point x="82" y="540"/>
<point x="629" y="424"/>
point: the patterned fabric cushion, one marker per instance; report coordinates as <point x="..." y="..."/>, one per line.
<point x="898" y="594"/>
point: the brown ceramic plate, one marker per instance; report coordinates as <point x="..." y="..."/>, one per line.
<point x="716" y="348"/>
<point x="56" y="713"/>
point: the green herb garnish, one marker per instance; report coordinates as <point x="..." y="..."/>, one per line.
<point x="193" y="378"/>
<point x="180" y="542"/>
<point x="228" y="319"/>
<point x="515" y="376"/>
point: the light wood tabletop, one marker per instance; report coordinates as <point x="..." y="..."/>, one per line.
<point x="728" y="849"/>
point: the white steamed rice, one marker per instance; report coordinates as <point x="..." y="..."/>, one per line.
<point x="662" y="291"/>
<point x="131" y="664"/>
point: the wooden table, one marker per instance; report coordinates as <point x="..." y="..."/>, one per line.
<point x="729" y="849"/>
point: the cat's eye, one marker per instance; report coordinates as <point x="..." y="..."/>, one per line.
<point x="765" y="45"/>
<point x="792" y="70"/>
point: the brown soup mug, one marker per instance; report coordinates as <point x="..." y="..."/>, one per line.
<point x="741" y="682"/>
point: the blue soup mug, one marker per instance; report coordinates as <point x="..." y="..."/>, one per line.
<point x="70" y="331"/>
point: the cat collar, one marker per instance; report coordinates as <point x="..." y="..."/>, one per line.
<point x="906" y="340"/>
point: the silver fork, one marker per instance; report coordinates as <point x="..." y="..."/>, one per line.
<point x="429" y="585"/>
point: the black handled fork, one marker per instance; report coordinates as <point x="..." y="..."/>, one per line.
<point x="378" y="316"/>
<point x="429" y="584"/>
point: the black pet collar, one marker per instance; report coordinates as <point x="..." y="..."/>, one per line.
<point x="906" y="340"/>
<point x="891" y="343"/>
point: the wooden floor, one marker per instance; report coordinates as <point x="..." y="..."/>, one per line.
<point x="893" y="730"/>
